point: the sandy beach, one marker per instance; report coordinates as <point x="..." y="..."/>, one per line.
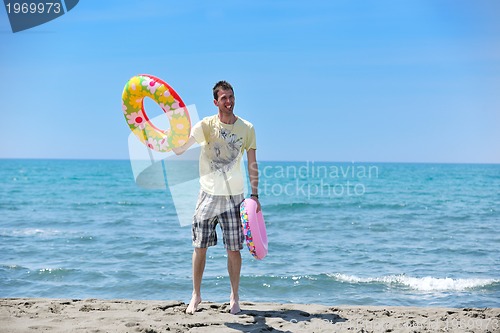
<point x="93" y="315"/>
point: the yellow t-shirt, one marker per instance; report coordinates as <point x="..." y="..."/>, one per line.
<point x="222" y="148"/>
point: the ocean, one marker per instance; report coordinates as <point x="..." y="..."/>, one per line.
<point x="339" y="234"/>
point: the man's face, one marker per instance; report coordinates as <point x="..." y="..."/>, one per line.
<point x="225" y="101"/>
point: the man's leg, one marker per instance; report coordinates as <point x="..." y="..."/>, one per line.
<point x="199" y="259"/>
<point x="234" y="269"/>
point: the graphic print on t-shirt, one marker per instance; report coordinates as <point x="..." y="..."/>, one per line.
<point x="223" y="149"/>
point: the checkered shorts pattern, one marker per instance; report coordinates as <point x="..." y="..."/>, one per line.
<point x="214" y="209"/>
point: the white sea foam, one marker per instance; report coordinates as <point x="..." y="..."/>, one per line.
<point x="28" y="232"/>
<point x="427" y="283"/>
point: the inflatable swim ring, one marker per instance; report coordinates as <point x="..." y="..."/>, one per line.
<point x="142" y="86"/>
<point x="254" y="229"/>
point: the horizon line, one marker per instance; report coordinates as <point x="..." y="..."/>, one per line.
<point x="264" y="161"/>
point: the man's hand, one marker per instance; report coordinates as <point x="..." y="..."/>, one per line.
<point x="253" y="171"/>
<point x="257" y="202"/>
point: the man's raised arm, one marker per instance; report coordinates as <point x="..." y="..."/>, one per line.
<point x="180" y="150"/>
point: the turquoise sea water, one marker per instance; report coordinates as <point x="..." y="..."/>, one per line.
<point x="339" y="233"/>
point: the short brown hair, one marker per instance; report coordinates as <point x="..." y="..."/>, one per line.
<point x="221" y="85"/>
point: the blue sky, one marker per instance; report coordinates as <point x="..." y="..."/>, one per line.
<point x="363" y="81"/>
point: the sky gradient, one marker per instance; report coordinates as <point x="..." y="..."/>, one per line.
<point x="361" y="81"/>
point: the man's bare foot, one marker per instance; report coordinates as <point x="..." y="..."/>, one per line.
<point x="234" y="306"/>
<point x="193" y="305"/>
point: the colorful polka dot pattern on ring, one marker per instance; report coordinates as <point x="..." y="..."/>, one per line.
<point x="247" y="231"/>
<point x="254" y="229"/>
<point x="142" y="86"/>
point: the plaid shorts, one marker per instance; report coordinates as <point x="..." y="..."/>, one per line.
<point x="213" y="209"/>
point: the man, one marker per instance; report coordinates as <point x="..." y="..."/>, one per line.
<point x="223" y="138"/>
